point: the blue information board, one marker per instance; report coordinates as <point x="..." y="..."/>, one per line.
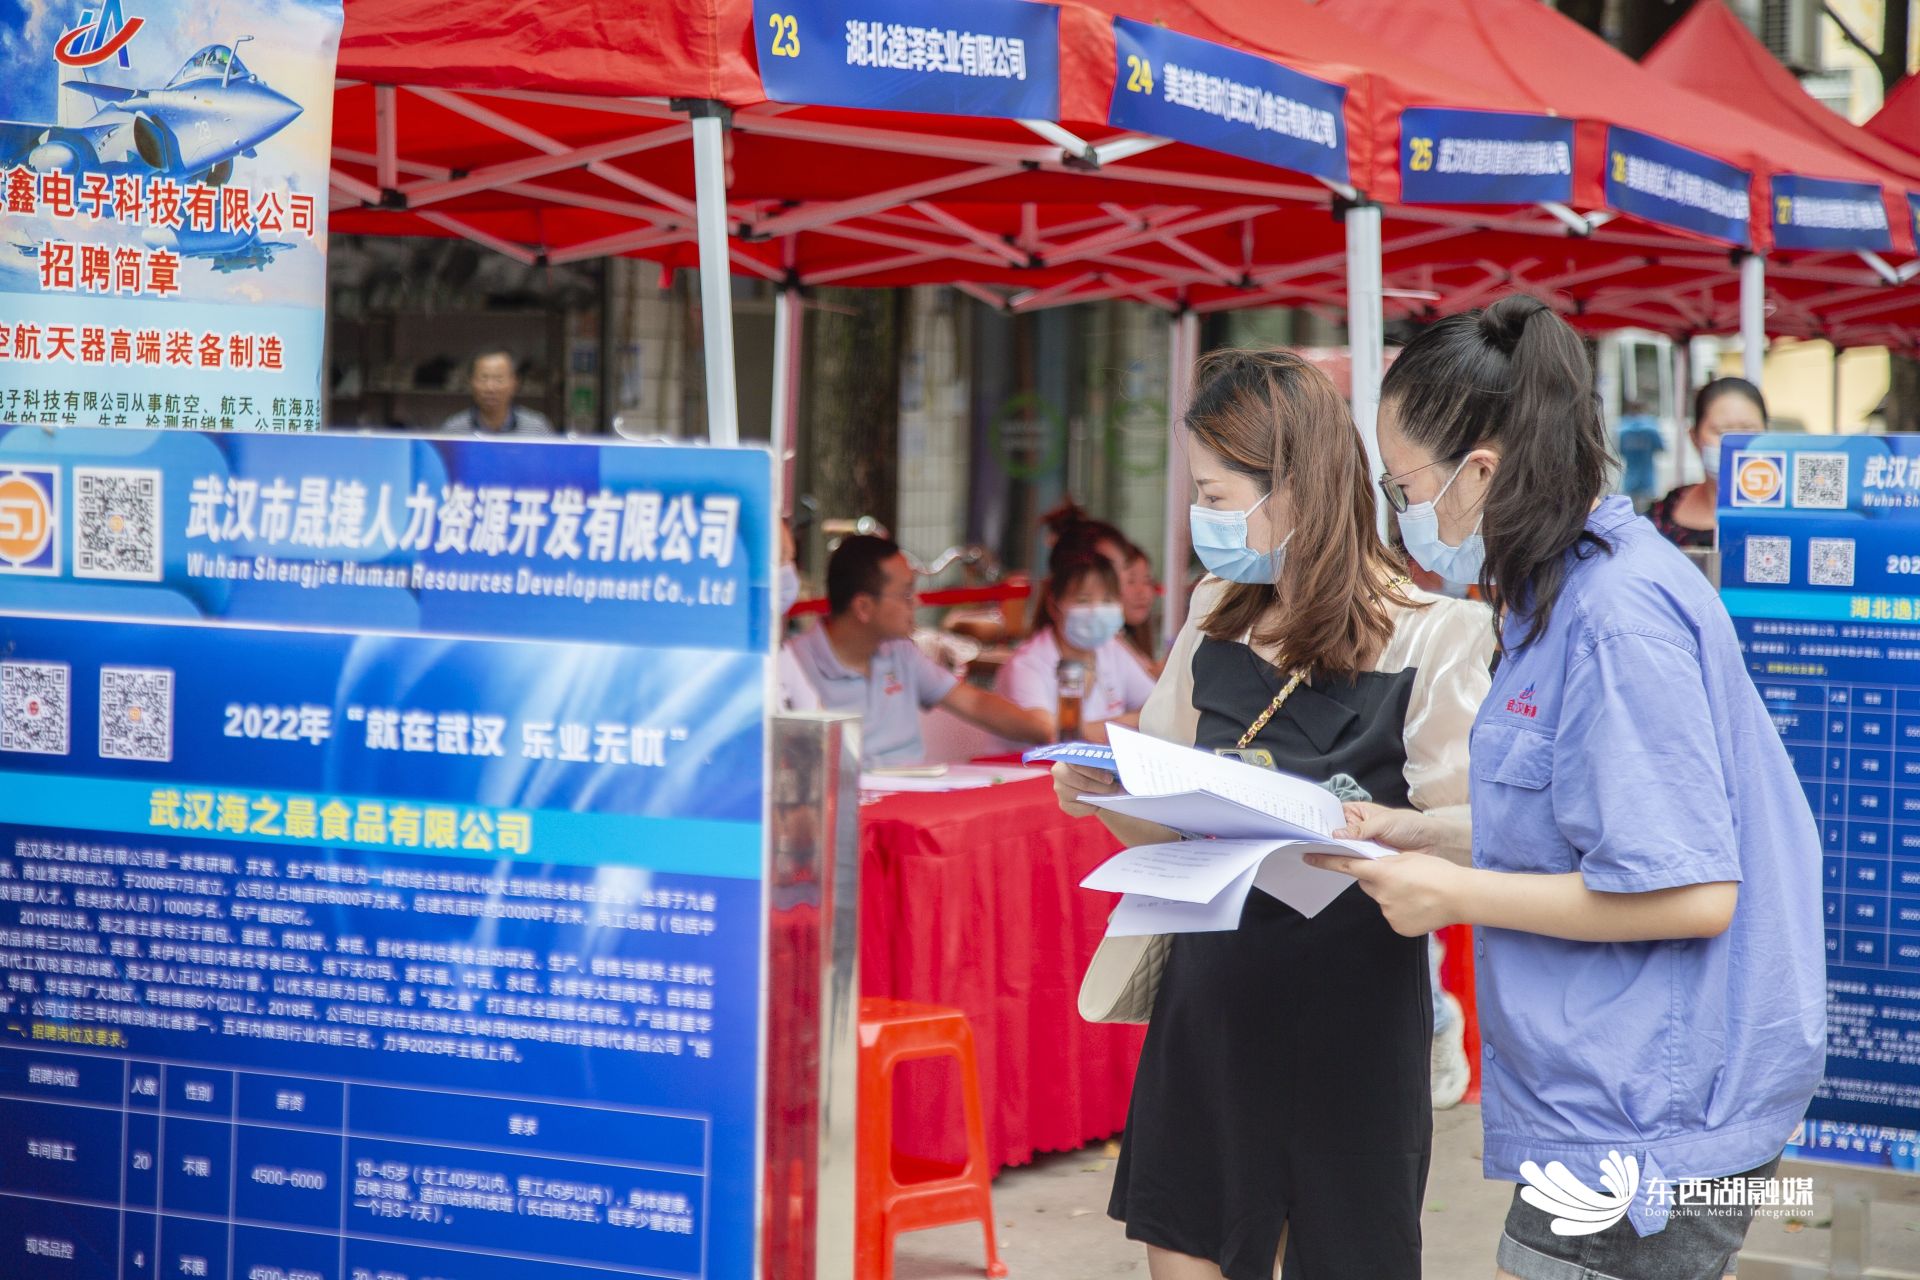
<point x="1820" y="568"/>
<point x="380" y="897"/>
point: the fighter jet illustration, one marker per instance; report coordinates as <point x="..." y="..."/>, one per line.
<point x="213" y="111"/>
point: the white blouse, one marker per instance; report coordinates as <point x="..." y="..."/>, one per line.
<point x="1448" y="642"/>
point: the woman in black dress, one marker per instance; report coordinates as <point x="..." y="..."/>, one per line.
<point x="1282" y="1101"/>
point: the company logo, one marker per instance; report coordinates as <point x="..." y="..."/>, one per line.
<point x="29" y="520"/>
<point x="1524" y="705"/>
<point x="98" y="37"/>
<point x="1759" y="479"/>
<point x="1577" y="1209"/>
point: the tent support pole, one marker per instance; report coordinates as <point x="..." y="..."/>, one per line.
<point x="1753" y="316"/>
<point x="1183" y="349"/>
<point x="710" y="121"/>
<point x="1366" y="329"/>
<point x="788" y="329"/>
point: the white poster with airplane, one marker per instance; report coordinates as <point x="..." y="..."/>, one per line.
<point x="163" y="211"/>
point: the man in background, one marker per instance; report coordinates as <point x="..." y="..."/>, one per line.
<point x="493" y="383"/>
<point x="863" y="659"/>
<point x="1639" y="443"/>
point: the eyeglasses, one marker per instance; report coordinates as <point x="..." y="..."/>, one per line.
<point x="1390" y="484"/>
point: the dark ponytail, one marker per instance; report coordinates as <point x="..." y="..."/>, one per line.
<point x="1516" y="376"/>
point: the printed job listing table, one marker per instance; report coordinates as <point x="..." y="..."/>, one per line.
<point x="1856" y="749"/>
<point x="180" y="1170"/>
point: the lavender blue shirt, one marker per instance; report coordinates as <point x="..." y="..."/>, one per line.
<point x="1629" y="744"/>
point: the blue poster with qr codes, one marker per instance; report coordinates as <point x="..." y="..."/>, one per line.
<point x="1820" y="569"/>
<point x="381" y="857"/>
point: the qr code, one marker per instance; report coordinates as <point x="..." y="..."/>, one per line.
<point x="136" y="713"/>
<point x="116" y="522"/>
<point x="1830" y="562"/>
<point x="1769" y="560"/>
<point x="34" y="709"/>
<point x="1820" y="481"/>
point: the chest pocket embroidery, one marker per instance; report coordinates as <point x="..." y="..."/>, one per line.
<point x="1514" y="827"/>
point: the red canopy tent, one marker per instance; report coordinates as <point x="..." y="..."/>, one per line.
<point x="1711" y="52"/>
<point x="552" y="132"/>
<point x="1577" y="74"/>
<point x="1897" y="123"/>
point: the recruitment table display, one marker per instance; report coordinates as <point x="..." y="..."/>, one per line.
<point x="381" y="857"/>
<point x="1820" y="566"/>
<point x="971" y="899"/>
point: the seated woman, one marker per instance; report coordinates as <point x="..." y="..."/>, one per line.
<point x="1078" y="617"/>
<point x="1686" y="517"/>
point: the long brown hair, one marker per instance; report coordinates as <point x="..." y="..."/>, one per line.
<point x="1274" y="417"/>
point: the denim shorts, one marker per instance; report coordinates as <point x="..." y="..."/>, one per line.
<point x="1696" y="1244"/>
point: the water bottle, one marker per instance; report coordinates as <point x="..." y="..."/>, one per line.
<point x="1071" y="678"/>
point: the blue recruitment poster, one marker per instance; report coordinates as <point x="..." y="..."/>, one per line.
<point x="1815" y="213"/>
<point x="1179" y="86"/>
<point x="381" y="856"/>
<point x="1666" y="183"/>
<point x="984" y="58"/>
<point x="1484" y="157"/>
<point x="163" y="165"/>
<point x="1820" y="568"/>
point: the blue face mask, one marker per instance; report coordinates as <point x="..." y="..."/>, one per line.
<point x="1220" y="540"/>
<point x="1420" y="532"/>
<point x="1088" y="626"/>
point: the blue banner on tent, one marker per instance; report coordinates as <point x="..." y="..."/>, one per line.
<point x="1820" y="568"/>
<point x="1193" y="90"/>
<point x="1913" y="216"/>
<point x="376" y="934"/>
<point x="984" y="58"/>
<point x="1484" y="157"/>
<point x="1816" y="213"/>
<point x="1678" y="187"/>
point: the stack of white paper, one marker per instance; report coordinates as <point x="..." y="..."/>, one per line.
<point x="1254" y="827"/>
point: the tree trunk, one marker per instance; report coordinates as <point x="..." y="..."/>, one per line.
<point x="1903" y="394"/>
<point x="852" y="403"/>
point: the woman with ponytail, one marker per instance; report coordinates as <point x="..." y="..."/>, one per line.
<point x="1640" y="861"/>
<point x="1282" y="1104"/>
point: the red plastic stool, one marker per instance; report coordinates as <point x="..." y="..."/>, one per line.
<point x="905" y="1193"/>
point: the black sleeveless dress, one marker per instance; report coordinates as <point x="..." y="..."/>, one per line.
<point x="1285" y="1075"/>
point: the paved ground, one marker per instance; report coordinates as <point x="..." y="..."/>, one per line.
<point x="1053" y="1221"/>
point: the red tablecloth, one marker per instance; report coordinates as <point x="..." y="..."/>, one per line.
<point x="971" y="899"/>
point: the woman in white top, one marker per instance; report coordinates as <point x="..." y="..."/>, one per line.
<point x="1079" y="616"/>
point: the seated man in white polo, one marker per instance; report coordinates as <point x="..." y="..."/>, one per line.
<point x="862" y="658"/>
